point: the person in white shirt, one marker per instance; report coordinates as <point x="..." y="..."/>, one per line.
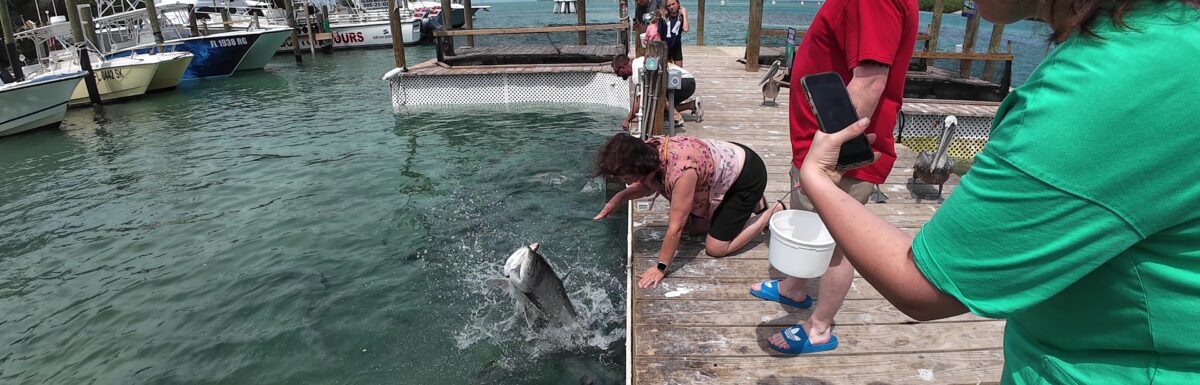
<point x="626" y="68"/>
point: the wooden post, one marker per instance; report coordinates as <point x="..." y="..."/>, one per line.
<point x="291" y="20"/>
<point x="397" y="35"/>
<point x="85" y="59"/>
<point x="469" y="22"/>
<point x="192" y="21"/>
<point x="447" y="46"/>
<point x="155" y="28"/>
<point x="754" y="35"/>
<point x="225" y="20"/>
<point x="10" y="45"/>
<point x="312" y="32"/>
<point x="935" y="26"/>
<point x="700" y="22"/>
<point x="581" y="19"/>
<point x="623" y="14"/>
<point x="964" y="67"/>
<point x="993" y="47"/>
<point x="88" y="24"/>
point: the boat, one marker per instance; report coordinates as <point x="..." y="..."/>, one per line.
<point x="37" y="102"/>
<point x="116" y="77"/>
<point x="214" y="55"/>
<point x="170" y="70"/>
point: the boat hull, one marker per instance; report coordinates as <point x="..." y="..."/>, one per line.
<point x="117" y="81"/>
<point x="24" y="108"/>
<point x="263" y="49"/>
<point x="372" y="34"/>
<point x="169" y="73"/>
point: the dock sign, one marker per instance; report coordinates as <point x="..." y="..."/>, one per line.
<point x="791" y="47"/>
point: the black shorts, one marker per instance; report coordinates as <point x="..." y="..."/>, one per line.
<point x="747" y="191"/>
<point x="676" y="52"/>
<point x="687" y="88"/>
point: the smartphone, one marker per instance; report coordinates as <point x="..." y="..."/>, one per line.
<point x="831" y="105"/>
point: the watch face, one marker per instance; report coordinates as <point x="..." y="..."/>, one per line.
<point x="662" y="266"/>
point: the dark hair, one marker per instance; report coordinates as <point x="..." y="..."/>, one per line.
<point x="1083" y="13"/>
<point x="619" y="61"/>
<point x="624" y="154"/>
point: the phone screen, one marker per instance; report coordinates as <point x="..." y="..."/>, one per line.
<point x="834" y="111"/>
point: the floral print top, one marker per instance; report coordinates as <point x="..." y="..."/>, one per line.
<point x="717" y="164"/>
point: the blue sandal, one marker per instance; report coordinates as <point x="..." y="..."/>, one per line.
<point x="797" y="340"/>
<point x="770" y="292"/>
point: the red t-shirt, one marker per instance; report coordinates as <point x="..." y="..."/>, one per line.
<point x="843" y="34"/>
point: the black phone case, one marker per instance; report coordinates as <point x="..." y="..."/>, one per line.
<point x="843" y="164"/>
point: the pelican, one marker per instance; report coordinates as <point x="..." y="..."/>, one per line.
<point x="771" y="82"/>
<point x="935" y="167"/>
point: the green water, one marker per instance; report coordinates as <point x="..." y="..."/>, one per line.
<point x="285" y="227"/>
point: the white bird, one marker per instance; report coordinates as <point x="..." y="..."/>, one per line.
<point x="771" y="82"/>
<point x="935" y="167"/>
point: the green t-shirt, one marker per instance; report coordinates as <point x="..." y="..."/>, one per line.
<point x="1080" y="220"/>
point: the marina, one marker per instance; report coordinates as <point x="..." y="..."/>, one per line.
<point x="238" y="208"/>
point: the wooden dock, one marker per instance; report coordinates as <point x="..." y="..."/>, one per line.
<point x="701" y="326"/>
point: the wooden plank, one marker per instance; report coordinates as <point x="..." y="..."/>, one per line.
<point x="755" y="312"/>
<point x="751" y="341"/>
<point x="964" y="367"/>
<point x="525" y="30"/>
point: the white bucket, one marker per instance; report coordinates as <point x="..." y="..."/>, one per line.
<point x="801" y="246"/>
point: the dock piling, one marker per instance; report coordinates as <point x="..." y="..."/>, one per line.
<point x="993" y="47"/>
<point x="225" y="19"/>
<point x="397" y="35"/>
<point x="469" y="23"/>
<point x="581" y="19"/>
<point x="700" y="22"/>
<point x="10" y="45"/>
<point x="935" y="26"/>
<point x="447" y="44"/>
<point x="290" y="9"/>
<point x="85" y="60"/>
<point x="754" y="35"/>
<point x="312" y="32"/>
<point x="964" y="67"/>
<point x="192" y="20"/>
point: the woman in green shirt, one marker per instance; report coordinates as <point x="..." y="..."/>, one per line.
<point x="1079" y="222"/>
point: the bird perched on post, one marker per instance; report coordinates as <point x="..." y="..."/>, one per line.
<point x="935" y="167"/>
<point x="771" y="82"/>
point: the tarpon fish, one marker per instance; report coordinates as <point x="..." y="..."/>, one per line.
<point x="539" y="293"/>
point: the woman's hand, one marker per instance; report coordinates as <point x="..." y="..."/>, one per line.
<point x="651" y="277"/>
<point x="608" y="209"/>
<point x="823" y="154"/>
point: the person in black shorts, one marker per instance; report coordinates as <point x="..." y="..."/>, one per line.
<point x="714" y="187"/>
<point x="671" y="27"/>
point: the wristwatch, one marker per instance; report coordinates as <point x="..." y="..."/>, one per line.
<point x="662" y="267"/>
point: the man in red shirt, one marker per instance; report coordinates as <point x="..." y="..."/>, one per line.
<point x="869" y="43"/>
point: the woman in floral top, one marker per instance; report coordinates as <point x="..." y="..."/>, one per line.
<point x="714" y="187"/>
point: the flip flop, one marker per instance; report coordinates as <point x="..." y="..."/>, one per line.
<point x="770" y="292"/>
<point x="767" y="228"/>
<point x="797" y="340"/>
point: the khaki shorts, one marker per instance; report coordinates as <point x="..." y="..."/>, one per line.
<point x="857" y="188"/>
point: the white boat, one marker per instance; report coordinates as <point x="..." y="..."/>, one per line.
<point x="263" y="48"/>
<point x="116" y="78"/>
<point x="364" y="34"/>
<point x="38" y="102"/>
<point x="170" y="70"/>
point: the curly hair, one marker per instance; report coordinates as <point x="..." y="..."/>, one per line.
<point x="1083" y="13"/>
<point x="624" y="154"/>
